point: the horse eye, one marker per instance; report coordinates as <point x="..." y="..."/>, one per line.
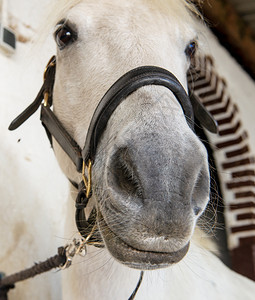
<point x="191" y="49"/>
<point x="64" y="36"/>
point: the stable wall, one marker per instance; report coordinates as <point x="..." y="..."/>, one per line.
<point x="33" y="190"/>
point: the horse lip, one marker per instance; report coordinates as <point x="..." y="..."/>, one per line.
<point x="135" y="258"/>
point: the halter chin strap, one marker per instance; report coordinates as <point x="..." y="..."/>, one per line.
<point x="120" y="90"/>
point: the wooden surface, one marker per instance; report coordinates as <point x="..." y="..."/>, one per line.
<point x="231" y="30"/>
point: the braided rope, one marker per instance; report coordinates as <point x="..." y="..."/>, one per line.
<point x="53" y="262"/>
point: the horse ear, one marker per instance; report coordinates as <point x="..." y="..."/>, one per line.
<point x="203" y="115"/>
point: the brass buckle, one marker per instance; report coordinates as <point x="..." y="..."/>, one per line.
<point x="51" y="63"/>
<point x="46" y="99"/>
<point x="87" y="179"/>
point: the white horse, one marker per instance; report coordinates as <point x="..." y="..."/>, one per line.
<point x="150" y="179"/>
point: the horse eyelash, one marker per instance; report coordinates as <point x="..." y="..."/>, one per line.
<point x="191" y="51"/>
<point x="65" y="24"/>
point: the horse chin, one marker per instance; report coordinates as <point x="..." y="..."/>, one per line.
<point x="135" y="258"/>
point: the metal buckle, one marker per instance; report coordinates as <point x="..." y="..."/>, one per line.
<point x="87" y="180"/>
<point x="46" y="99"/>
<point x="51" y="63"/>
<point x="78" y="246"/>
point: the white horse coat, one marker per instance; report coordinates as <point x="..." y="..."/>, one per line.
<point x="199" y="274"/>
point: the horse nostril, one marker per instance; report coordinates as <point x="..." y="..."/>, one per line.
<point x="200" y="193"/>
<point x="125" y="177"/>
<point x="197" y="210"/>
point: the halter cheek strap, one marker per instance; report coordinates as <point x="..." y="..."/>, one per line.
<point x="120" y="90"/>
<point x="46" y="89"/>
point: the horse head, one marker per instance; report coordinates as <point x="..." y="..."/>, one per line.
<point x="150" y="178"/>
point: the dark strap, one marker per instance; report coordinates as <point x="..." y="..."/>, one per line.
<point x="203" y="115"/>
<point x="46" y="87"/>
<point x="50" y="122"/>
<point x="85" y="226"/>
<point x="121" y="89"/>
<point x="67" y="143"/>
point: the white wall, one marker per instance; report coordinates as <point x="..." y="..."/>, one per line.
<point x="33" y="189"/>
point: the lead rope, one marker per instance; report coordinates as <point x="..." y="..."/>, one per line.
<point x="7" y="283"/>
<point x="62" y="261"/>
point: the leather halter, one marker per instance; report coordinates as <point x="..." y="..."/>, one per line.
<point x="120" y="90"/>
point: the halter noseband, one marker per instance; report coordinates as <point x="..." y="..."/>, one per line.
<point x="120" y="90"/>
